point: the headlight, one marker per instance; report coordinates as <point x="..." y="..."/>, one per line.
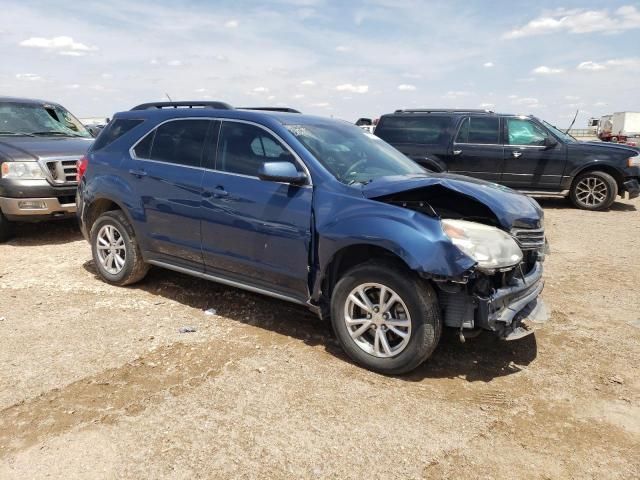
<point x="634" y="161"/>
<point x="23" y="170"/>
<point x="490" y="247"/>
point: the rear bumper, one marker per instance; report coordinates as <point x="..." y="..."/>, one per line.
<point x="35" y="208"/>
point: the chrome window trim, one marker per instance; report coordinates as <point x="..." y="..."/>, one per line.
<point x="133" y="155"/>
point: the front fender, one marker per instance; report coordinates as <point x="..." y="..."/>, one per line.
<point x="417" y="239"/>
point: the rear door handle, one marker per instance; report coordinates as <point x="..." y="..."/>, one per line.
<point x="516" y="154"/>
<point x="138" y="173"/>
<point x="457" y="152"/>
<point x="219" y="191"/>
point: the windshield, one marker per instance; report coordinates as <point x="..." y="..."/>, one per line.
<point x="559" y="133"/>
<point x="39" y="120"/>
<point x="353" y="155"/>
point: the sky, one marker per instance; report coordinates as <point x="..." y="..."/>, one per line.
<point x="332" y="58"/>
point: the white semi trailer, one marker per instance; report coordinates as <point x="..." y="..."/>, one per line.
<point x="619" y="127"/>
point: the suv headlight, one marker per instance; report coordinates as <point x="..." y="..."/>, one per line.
<point x="22" y="170"/>
<point x="490" y="247"/>
<point x="633" y="161"/>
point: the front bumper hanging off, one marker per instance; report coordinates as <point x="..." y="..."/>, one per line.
<point x="510" y="310"/>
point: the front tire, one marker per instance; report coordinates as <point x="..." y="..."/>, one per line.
<point x="115" y="250"/>
<point x="594" y="191"/>
<point x="6" y="228"/>
<point x="385" y="317"/>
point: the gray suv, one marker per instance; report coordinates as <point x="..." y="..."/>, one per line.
<point x="40" y="144"/>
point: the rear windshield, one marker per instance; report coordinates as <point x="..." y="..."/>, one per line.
<point x="114" y="130"/>
<point x="430" y="129"/>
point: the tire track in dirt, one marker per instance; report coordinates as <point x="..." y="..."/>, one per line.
<point x="104" y="398"/>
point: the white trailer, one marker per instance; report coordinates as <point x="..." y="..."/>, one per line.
<point x="619" y="127"/>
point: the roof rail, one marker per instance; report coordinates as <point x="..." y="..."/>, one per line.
<point x="272" y="109"/>
<point x="187" y="104"/>
<point x="441" y="110"/>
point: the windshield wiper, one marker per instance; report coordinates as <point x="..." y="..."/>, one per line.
<point x="363" y="182"/>
<point x="17" y="134"/>
<point x="54" y="132"/>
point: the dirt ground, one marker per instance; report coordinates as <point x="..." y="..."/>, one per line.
<point x="98" y="382"/>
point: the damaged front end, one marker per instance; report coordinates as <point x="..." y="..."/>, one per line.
<point x="503" y="232"/>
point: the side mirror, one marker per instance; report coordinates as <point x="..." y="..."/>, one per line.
<point x="550" y="142"/>
<point x="282" y="172"/>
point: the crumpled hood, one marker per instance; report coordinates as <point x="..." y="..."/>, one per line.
<point x="29" y="148"/>
<point x="512" y="209"/>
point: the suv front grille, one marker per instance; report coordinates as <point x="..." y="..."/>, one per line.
<point x="62" y="171"/>
<point x="529" y="239"/>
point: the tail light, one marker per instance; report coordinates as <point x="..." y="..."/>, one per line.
<point x="82" y="167"/>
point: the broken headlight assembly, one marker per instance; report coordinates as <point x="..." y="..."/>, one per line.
<point x="492" y="248"/>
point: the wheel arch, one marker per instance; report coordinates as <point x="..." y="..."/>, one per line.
<point x="100" y="205"/>
<point x="601" y="167"/>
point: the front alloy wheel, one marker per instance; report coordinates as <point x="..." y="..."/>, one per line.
<point x="385" y="317"/>
<point x="594" y="191"/>
<point x="378" y="320"/>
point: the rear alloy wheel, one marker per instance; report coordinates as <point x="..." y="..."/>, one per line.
<point x="594" y="191"/>
<point x="115" y="250"/>
<point x="385" y="317"/>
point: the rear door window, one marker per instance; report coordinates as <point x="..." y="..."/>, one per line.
<point x="180" y="142"/>
<point x="479" y="130"/>
<point x="431" y="129"/>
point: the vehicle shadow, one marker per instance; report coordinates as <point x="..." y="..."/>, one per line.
<point x="564" y="203"/>
<point x="479" y="359"/>
<point x="54" y="232"/>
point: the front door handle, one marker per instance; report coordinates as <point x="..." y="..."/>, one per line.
<point x="138" y="173"/>
<point x="516" y="154"/>
<point x="457" y="152"/>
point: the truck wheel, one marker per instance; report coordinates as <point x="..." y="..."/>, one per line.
<point x="594" y="191"/>
<point x="6" y="228"/>
<point x="386" y="318"/>
<point x="115" y="250"/>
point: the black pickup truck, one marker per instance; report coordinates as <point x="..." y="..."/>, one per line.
<point x="40" y="144"/>
<point x="521" y="152"/>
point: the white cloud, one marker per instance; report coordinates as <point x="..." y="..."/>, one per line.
<point x="298" y="96"/>
<point x="320" y="104"/>
<point x="600" y="104"/>
<point x="589" y="65"/>
<point x="107" y="76"/>
<point x="271" y="97"/>
<point x="580" y="21"/>
<point x="174" y="63"/>
<point x="232" y="24"/>
<point x="571" y="97"/>
<point x="528" y="102"/>
<point x="73" y="86"/>
<point x="153" y="61"/>
<point x="308" y="83"/>
<point x="487" y="64"/>
<point x="28" y="76"/>
<point x="347" y="87"/>
<point x="456" y="94"/>
<point x="261" y="90"/>
<point x="544" y="70"/>
<point x="63" y="45"/>
<point x="200" y="90"/>
<point x="406" y="87"/>
<point x="343" y="48"/>
<point x="411" y="75"/>
<point x="487" y="105"/>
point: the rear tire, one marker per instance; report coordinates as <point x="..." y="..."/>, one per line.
<point x="7" y="229"/>
<point x="594" y="191"/>
<point x="411" y="325"/>
<point x="115" y="250"/>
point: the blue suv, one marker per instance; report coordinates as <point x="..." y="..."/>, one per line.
<point x="317" y="212"/>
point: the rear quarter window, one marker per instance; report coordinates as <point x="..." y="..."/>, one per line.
<point x="431" y="129"/>
<point x="113" y="131"/>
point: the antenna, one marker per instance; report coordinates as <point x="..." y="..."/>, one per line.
<point x="574" y="121"/>
<point x="167" y="95"/>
